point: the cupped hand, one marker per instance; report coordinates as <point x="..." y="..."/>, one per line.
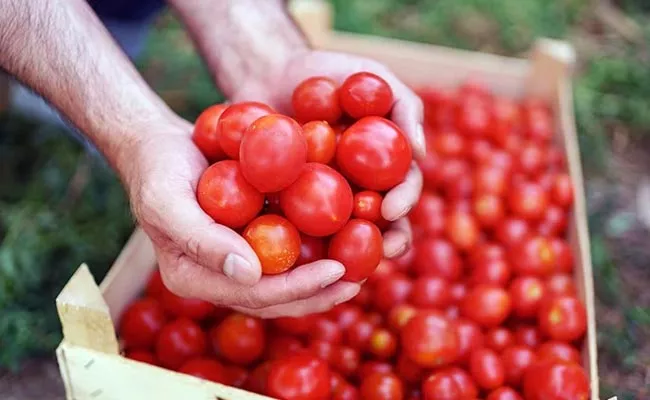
<point x="199" y="258"/>
<point x="407" y="113"/>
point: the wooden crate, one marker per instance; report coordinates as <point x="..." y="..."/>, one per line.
<point x="88" y="356"/>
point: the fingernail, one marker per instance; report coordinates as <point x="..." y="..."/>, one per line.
<point x="403" y="213"/>
<point x="335" y="274"/>
<point x="238" y="269"/>
<point x="398" y="252"/>
<point x="420" y="143"/>
<point x="350" y="295"/>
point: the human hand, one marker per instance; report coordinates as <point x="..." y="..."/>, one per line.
<point x="407" y="113"/>
<point x="199" y="258"/>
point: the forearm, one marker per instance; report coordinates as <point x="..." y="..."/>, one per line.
<point x="241" y="40"/>
<point x="61" y="50"/>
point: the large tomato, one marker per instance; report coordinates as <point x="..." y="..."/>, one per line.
<point x="487" y="305"/>
<point x="527" y="293"/>
<point x="470" y="338"/>
<point x="494" y="272"/>
<point x="205" y="134"/>
<point x="428" y="215"/>
<point x="392" y="290"/>
<point x="321" y="141"/>
<point x="499" y="338"/>
<point x="430" y="292"/>
<point x="511" y="231"/>
<point x="563" y="318"/>
<point x="299" y="377"/>
<point x="359" y="247"/>
<point x="316" y="98"/>
<point x="486" y="369"/>
<point x="239" y="338"/>
<point x="272" y="153"/>
<point x="556" y="350"/>
<point x="233" y="123"/>
<point x="528" y="200"/>
<point x="374" y="154"/>
<point x="319" y="203"/>
<point x="178" y="341"/>
<point x="275" y="241"/>
<point x="556" y="380"/>
<point x="533" y="256"/>
<point x="226" y="196"/>
<point x="443" y="384"/>
<point x="437" y="257"/>
<point x="205" y="368"/>
<point x="462" y="230"/>
<point x="141" y="322"/>
<point x="516" y="360"/>
<point x="382" y="386"/>
<point x="365" y="94"/>
<point x="430" y="339"/>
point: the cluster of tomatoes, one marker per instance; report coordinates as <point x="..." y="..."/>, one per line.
<point x="315" y="178"/>
<point x="483" y="306"/>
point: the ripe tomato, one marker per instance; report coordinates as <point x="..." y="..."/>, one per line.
<point x="537" y="121"/>
<point x="428" y="215"/>
<point x="479" y="150"/>
<point x="562" y="190"/>
<point x="487" y="305"/>
<point x="563" y="318"/>
<point x="322" y="349"/>
<point x="438" y="106"/>
<point x="399" y="315"/>
<point x="321" y="141"/>
<point x="257" y="379"/>
<point x="392" y="290"/>
<point x="372" y="367"/>
<point x="530" y="159"/>
<point x="374" y="154"/>
<point x="430" y="292"/>
<point x="488" y="210"/>
<point x="311" y="249"/>
<point x="557" y="380"/>
<point x="501" y="159"/>
<point x="499" y="338"/>
<point x="382" y="386"/>
<point x="430" y="340"/>
<point x="516" y="360"/>
<point x="236" y="376"/>
<point x="527" y="293"/>
<point x="533" y="256"/>
<point x="178" y="306"/>
<point x="560" y="284"/>
<point x="460" y="188"/>
<point x="178" y="341"/>
<point x="486" y="369"/>
<point x="470" y="338"/>
<point x="473" y="116"/>
<point x="403" y="262"/>
<point x="205" y="368"/>
<point x="437" y="257"/>
<point x="141" y="323"/>
<point x="299" y="377"/>
<point x="367" y="205"/>
<point x="346" y="360"/>
<point x="345" y="314"/>
<point x="326" y="329"/>
<point x="506" y="117"/>
<point x="346" y="392"/>
<point x="275" y="241"/>
<point x="364" y="297"/>
<point x="452" y="169"/>
<point x="155" y="285"/>
<point x="239" y="338"/>
<point x="504" y="393"/>
<point x="458" y="291"/>
<point x="554" y="221"/>
<point x="144" y="356"/>
<point x="316" y="98"/>
<point x="272" y="153"/>
<point x="464" y="381"/>
<point x="484" y="252"/>
<point x="408" y="371"/>
<point x="490" y="180"/>
<point x="226" y="196"/>
<point x="528" y="200"/>
<point x="511" y="231"/>
<point x="359" y="247"/>
<point x="205" y="134"/>
<point x="462" y="230"/>
<point x="442" y="385"/>
<point x="319" y="202"/>
<point x="365" y="94"/>
<point x="358" y="333"/>
<point x="494" y="272"/>
<point x="295" y="325"/>
<point x="449" y="144"/>
<point x="430" y="168"/>
<point x="382" y="344"/>
<point x="563" y="255"/>
<point x="280" y="345"/>
<point x="233" y="123"/>
<point x="555" y="350"/>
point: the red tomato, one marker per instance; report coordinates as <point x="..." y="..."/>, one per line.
<point x="311" y="249"/>
<point x="562" y="190"/>
<point x="382" y="386"/>
<point x="326" y="329"/>
<point x="272" y="153"/>
<point x="346" y="360"/>
<point x="442" y="385"/>
<point x="358" y="333"/>
<point x="501" y="159"/>
<point x="530" y="159"/>
<point x="458" y="291"/>
<point x="372" y="367"/>
<point x="179" y="341"/>
<point x="399" y="315"/>
<point x="393" y="290"/>
<point x="155" y="285"/>
<point x="533" y="256"/>
<point x="226" y="196"/>
<point x="506" y="117"/>
<point x="460" y="188"/>
<point x="141" y="323"/>
<point x="205" y="368"/>
<point x="554" y="221"/>
<point x="487" y="305"/>
<point x="470" y="337"/>
<point x="295" y="325"/>
<point x="528" y="200"/>
<point x="516" y="360"/>
<point x="449" y="144"/>
<point x="537" y="121"/>
<point x="275" y="241"/>
<point x="555" y="350"/>
<point x="499" y="338"/>
<point x="430" y="340"/>
<point x="563" y="318"/>
<point x="556" y="380"/>
<point x="430" y="167"/>
<point x="346" y="392"/>
<point x="365" y="94"/>
<point x="452" y="169"/>
<point x="408" y="370"/>
<point x="563" y="255"/>
<point x="479" y="150"/>
<point x="511" y="231"/>
<point x="257" y="379"/>
<point x="236" y="376"/>
<point x="359" y="247"/>
<point x="321" y="141"/>
<point x="428" y="215"/>
<point x="205" y="134"/>
<point x="178" y="306"/>
<point x="473" y="116"/>
<point x="382" y="344"/>
<point x="403" y="263"/>
<point x="239" y="338"/>
<point x="233" y="123"/>
<point x="488" y="210"/>
<point x="319" y="202"/>
<point x="367" y="205"/>
<point x="299" y="377"/>
<point x="364" y="297"/>
<point x="504" y="393"/>
<point x="462" y="230"/>
<point x="323" y="350"/>
<point x="464" y="381"/>
<point x="439" y="106"/>
<point x="484" y="252"/>
<point x="437" y="257"/>
<point x="527" y="293"/>
<point x="490" y="180"/>
<point x="486" y="369"/>
<point x="560" y="284"/>
<point x="374" y="154"/>
<point x="494" y="272"/>
<point x="345" y="315"/>
<point x="144" y="356"/>
<point x="430" y="292"/>
<point x="316" y="98"/>
<point x="280" y="346"/>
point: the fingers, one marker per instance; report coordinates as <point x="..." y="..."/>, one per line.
<point x="399" y="200"/>
<point x="324" y="300"/>
<point x="398" y="239"/>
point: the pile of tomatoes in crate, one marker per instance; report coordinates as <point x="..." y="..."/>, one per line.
<point x="286" y="185"/>
<point x="483" y="306"/>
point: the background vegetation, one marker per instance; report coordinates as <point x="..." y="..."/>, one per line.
<point x="59" y="207"/>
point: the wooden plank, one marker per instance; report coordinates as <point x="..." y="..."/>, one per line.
<point x="99" y="376"/>
<point x="84" y="314"/>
